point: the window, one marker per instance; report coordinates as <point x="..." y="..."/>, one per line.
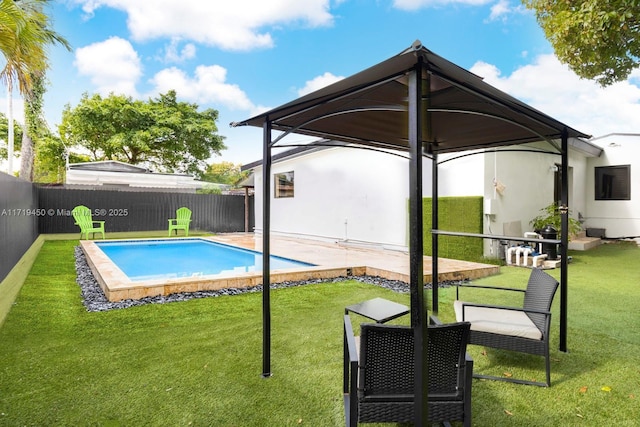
<point x="613" y="183"/>
<point x="283" y="186"/>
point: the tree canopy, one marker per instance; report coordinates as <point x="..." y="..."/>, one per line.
<point x="161" y="133"/>
<point x="597" y="39"/>
<point x="4" y="131"/>
<point x="225" y="173"/>
<point x="25" y="33"/>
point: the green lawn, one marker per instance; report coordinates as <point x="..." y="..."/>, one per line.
<point x="199" y="363"/>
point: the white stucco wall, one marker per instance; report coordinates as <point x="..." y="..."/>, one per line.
<point x="620" y="218"/>
<point x="529" y="187"/>
<point x="342" y="195"/>
<point x="459" y="176"/>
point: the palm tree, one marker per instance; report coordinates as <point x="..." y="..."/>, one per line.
<point x="24" y="35"/>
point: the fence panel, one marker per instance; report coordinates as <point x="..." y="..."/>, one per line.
<point x="18" y="220"/>
<point x="140" y="211"/>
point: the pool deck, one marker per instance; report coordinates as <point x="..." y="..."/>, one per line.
<point x="331" y="259"/>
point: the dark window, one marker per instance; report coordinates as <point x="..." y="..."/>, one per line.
<point x="613" y="183"/>
<point x="283" y="186"/>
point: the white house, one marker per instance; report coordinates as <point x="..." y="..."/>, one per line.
<point x="612" y="193"/>
<point x="361" y="196"/>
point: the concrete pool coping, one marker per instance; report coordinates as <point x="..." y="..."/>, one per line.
<point x="331" y="259"/>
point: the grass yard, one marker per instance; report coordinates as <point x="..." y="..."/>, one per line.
<point x="198" y="363"/>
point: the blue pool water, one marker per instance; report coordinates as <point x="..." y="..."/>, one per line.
<point x="154" y="259"/>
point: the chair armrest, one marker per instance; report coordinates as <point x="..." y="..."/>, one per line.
<point x="98" y="222"/>
<point x="433" y="320"/>
<point x="350" y="386"/>
<point x="496" y="288"/>
<point x="350" y="340"/>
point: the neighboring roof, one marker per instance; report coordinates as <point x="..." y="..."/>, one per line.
<point x="247" y="182"/>
<point x="109" y="166"/>
<point x="301" y="150"/>
<point x="371" y="108"/>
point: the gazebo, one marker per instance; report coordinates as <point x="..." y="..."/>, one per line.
<point x="420" y="103"/>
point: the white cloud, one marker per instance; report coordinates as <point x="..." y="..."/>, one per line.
<point x="230" y="25"/>
<point x="172" y="54"/>
<point x="500" y="10"/>
<point x="318" y="83"/>
<point x="582" y="104"/>
<point x="112" y="65"/>
<point x="417" y="4"/>
<point x="208" y="85"/>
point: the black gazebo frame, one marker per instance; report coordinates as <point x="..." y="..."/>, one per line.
<point x="420" y="103"/>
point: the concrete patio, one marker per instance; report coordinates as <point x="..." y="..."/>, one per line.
<point x="390" y="264"/>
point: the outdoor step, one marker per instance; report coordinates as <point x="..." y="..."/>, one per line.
<point x="584" y="243"/>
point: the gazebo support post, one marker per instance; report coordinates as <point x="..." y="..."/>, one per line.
<point x="266" y="251"/>
<point x="564" y="238"/>
<point x="418" y="309"/>
<point x="434" y="236"/>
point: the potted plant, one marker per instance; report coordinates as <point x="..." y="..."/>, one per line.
<point x="551" y="215"/>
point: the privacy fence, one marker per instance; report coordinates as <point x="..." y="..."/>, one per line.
<point x="18" y="227"/>
<point x="27" y="210"/>
<point x="136" y="211"/>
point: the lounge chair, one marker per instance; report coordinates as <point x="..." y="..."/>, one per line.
<point x="379" y="374"/>
<point x="181" y="221"/>
<point x="84" y="220"/>
<point x="523" y="329"/>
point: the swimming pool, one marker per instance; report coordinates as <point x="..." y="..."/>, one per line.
<point x="150" y="281"/>
<point x="163" y="259"/>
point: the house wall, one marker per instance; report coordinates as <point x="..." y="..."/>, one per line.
<point x="528" y="179"/>
<point x="343" y="195"/>
<point x="346" y="194"/>
<point x="620" y="218"/>
<point x="459" y="176"/>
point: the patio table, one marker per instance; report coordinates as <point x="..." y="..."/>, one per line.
<point x="378" y="309"/>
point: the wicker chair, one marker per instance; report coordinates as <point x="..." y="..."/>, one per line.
<point x="379" y="381"/>
<point x="524" y="329"/>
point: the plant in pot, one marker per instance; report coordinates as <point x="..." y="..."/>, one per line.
<point x="551" y="215"/>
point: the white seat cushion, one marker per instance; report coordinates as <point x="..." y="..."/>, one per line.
<point x="497" y="321"/>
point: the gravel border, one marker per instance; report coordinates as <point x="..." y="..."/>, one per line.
<point x="95" y="300"/>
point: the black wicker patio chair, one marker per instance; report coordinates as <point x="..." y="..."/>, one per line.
<point x="379" y="376"/>
<point x="522" y="329"/>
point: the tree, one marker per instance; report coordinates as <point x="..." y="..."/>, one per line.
<point x="50" y="158"/>
<point x="161" y="133"/>
<point x="35" y="126"/>
<point x="597" y="39"/>
<point x="4" y="132"/>
<point x="24" y="35"/>
<point x="225" y="173"/>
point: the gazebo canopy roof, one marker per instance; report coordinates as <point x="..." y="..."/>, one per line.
<point x="370" y="108"/>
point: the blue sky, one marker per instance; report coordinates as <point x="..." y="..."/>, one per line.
<point x="244" y="56"/>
